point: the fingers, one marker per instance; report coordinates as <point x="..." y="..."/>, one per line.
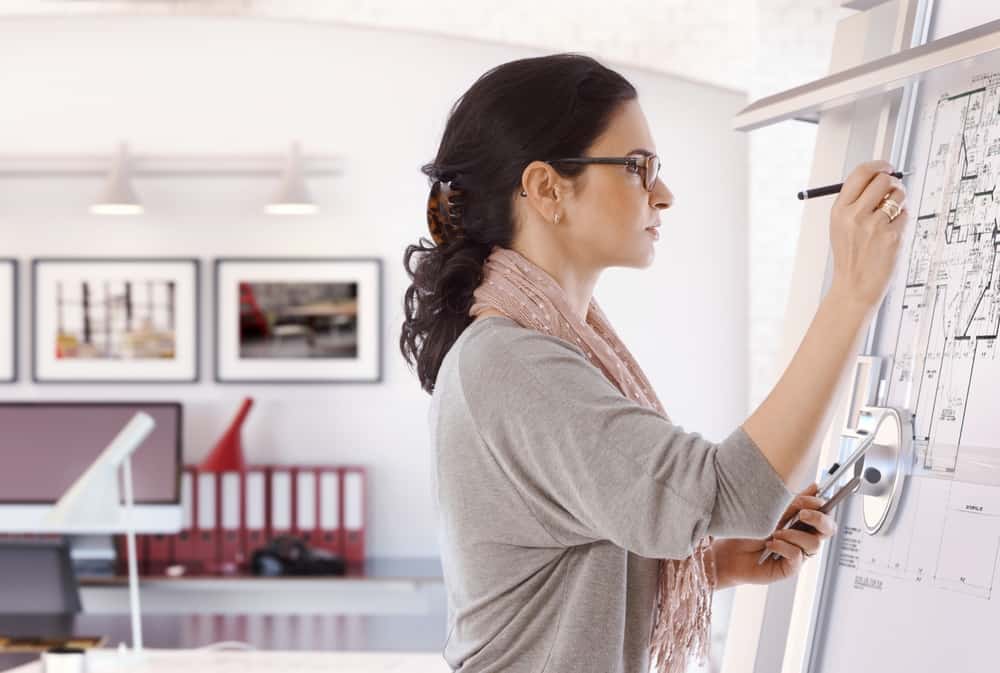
<point x="824" y="524"/>
<point x="897" y="195"/>
<point x="890" y="232"/>
<point x="806" y="542"/>
<point x="800" y="502"/>
<point x="880" y="185"/>
<point x="859" y="178"/>
<point x="786" y="550"/>
<point x="803" y="541"/>
<point x="809" y="501"/>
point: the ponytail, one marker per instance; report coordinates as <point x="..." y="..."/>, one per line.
<point x="516" y="113"/>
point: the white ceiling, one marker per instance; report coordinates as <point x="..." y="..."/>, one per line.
<point x="714" y="42"/>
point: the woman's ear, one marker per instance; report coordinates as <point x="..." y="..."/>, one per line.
<point x="544" y="188"/>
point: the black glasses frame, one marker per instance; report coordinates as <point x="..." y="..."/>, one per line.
<point x="633" y="164"/>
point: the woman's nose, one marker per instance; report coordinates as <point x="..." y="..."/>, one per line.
<point x="661" y="198"/>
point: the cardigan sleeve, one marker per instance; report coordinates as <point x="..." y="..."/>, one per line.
<point x="594" y="465"/>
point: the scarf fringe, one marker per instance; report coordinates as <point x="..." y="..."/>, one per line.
<point x="683" y="619"/>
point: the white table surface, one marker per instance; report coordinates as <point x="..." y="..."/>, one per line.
<point x="260" y="661"/>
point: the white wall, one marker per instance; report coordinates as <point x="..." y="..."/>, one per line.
<point x="380" y="99"/>
<point x="793" y="40"/>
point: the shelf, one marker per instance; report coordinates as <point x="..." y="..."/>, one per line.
<point x="807" y="101"/>
<point x="407" y="569"/>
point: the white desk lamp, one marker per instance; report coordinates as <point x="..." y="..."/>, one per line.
<point x="93" y="505"/>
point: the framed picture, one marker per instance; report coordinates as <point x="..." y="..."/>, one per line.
<point x="115" y="320"/>
<point x="298" y="320"/>
<point x="8" y="320"/>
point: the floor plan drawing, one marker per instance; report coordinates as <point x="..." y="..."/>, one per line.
<point x="950" y="313"/>
<point x="935" y="571"/>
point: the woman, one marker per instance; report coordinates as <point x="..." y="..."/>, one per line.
<point x="581" y="530"/>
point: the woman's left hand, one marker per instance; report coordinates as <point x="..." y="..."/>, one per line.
<point x="736" y="558"/>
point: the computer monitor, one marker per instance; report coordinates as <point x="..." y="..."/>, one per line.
<point x="36" y="578"/>
<point x="39" y="593"/>
<point x="46" y="446"/>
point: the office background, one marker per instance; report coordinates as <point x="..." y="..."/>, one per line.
<point x="372" y="83"/>
<point x="208" y="85"/>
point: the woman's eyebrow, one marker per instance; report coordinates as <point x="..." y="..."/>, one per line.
<point x="643" y="151"/>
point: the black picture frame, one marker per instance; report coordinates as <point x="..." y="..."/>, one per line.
<point x="196" y="327"/>
<point x="14" y="318"/>
<point x="219" y="262"/>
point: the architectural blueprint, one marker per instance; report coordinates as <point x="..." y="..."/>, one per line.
<point x="934" y="574"/>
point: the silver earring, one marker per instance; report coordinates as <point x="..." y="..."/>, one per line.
<point x="557" y="218"/>
<point x="524" y="193"/>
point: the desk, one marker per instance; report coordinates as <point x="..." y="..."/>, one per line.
<point x="382" y="585"/>
<point x="188" y="661"/>
<point x="406" y="568"/>
<point x="339" y="633"/>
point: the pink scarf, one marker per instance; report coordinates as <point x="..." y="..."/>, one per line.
<point x="528" y="295"/>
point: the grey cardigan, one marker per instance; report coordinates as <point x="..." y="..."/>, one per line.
<point x="556" y="495"/>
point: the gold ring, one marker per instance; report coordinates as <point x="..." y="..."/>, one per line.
<point x="889" y="207"/>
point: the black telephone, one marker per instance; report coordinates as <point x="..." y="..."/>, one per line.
<point x="290" y="555"/>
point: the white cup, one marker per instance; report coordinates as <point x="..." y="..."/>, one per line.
<point x="64" y="660"/>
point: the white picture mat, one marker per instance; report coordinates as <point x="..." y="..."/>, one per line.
<point x="8" y="319"/>
<point x="181" y="368"/>
<point x="232" y="272"/>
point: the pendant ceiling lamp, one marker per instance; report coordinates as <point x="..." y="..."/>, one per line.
<point x="292" y="196"/>
<point x="118" y="197"/>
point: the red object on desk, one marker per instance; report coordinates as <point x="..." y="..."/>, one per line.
<point x="306" y="504"/>
<point x="227" y="454"/>
<point x="220" y="539"/>
<point x="207" y="520"/>
<point x="159" y="550"/>
<point x="184" y="541"/>
<point x="121" y="551"/>
<point x="331" y="507"/>
<point x="231" y="547"/>
<point x="280" y="501"/>
<point x="324" y="504"/>
<point x="254" y="514"/>
<point x="354" y="513"/>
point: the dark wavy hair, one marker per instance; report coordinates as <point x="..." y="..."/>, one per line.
<point x="518" y="112"/>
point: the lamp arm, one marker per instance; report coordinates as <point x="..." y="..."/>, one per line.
<point x="133" y="572"/>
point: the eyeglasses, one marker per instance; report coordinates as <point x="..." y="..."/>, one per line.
<point x="648" y="166"/>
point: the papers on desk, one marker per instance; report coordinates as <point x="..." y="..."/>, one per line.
<point x="42" y="643"/>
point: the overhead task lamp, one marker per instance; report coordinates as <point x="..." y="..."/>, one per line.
<point x="118" y="197"/>
<point x="292" y="196"/>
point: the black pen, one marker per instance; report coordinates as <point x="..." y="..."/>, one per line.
<point x="833" y="189"/>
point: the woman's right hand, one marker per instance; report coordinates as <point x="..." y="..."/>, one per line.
<point x="864" y="242"/>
